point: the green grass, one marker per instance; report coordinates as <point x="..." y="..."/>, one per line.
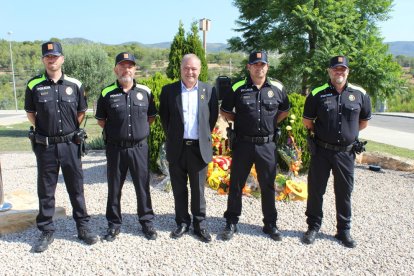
<point x="392" y="150"/>
<point x="14" y="137"/>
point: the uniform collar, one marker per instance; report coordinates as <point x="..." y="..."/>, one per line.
<point x="265" y="84"/>
<point x="332" y="87"/>
<point x="122" y="89"/>
<point x="59" y="81"/>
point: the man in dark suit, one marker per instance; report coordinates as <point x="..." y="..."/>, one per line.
<point x="189" y="111"/>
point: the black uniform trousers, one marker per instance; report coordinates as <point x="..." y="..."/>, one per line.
<point x="190" y="165"/>
<point x="342" y="166"/>
<point x="49" y="160"/>
<point x="119" y="160"/>
<point x="245" y="154"/>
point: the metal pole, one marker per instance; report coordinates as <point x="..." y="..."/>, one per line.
<point x="205" y="43"/>
<point x="12" y="66"/>
<point x="4" y="206"/>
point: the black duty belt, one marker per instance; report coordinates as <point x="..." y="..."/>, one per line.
<point x="126" y="144"/>
<point x="45" y="140"/>
<point x="333" y="147"/>
<point x="190" y="142"/>
<point x="256" y="139"/>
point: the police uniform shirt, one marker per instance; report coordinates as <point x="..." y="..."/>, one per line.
<point x="255" y="109"/>
<point x="126" y="114"/>
<point x="56" y="104"/>
<point x="337" y="115"/>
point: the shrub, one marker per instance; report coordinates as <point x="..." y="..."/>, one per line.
<point x="299" y="132"/>
<point x="157" y="136"/>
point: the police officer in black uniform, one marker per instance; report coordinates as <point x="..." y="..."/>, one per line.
<point x="56" y="105"/>
<point x="125" y="110"/>
<point x="335" y="112"/>
<point x="256" y="105"/>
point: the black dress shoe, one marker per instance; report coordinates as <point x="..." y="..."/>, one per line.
<point x="203" y="235"/>
<point x="179" y="231"/>
<point x="228" y="232"/>
<point x="43" y="242"/>
<point x="310" y="236"/>
<point x="84" y="234"/>
<point x="273" y="232"/>
<point x="111" y="234"/>
<point x="149" y="232"/>
<point x="346" y="239"/>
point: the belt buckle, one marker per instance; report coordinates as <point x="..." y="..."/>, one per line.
<point x="188" y="143"/>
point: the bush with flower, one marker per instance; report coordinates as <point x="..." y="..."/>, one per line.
<point x="218" y="171"/>
<point x="287" y="186"/>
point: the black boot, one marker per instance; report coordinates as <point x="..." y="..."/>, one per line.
<point x="87" y="236"/>
<point x="43" y="242"/>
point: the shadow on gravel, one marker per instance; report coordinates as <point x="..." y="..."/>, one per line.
<point x="66" y="229"/>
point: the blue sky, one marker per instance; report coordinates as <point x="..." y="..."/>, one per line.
<point x="115" y="22"/>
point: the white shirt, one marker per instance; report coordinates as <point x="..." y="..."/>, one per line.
<point x="190" y="111"/>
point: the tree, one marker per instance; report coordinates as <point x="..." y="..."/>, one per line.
<point x="177" y="50"/>
<point x="306" y="33"/>
<point x="195" y="46"/>
<point x="182" y="45"/>
<point x="90" y="65"/>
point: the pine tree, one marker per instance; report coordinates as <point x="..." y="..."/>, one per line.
<point x="195" y="46"/>
<point x="177" y="50"/>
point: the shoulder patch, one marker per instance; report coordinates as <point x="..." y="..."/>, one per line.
<point x="75" y="81"/>
<point x="36" y="80"/>
<point x="143" y="87"/>
<point x="277" y="83"/>
<point x="357" y="87"/>
<point x="238" y="84"/>
<point x="319" y="89"/>
<point x="108" y="89"/>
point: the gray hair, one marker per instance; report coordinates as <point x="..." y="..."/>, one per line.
<point x="187" y="57"/>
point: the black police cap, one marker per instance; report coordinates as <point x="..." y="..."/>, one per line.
<point x="338" y="61"/>
<point x="124" y="56"/>
<point x="52" y="48"/>
<point x="258" y="56"/>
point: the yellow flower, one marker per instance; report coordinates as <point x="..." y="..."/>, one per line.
<point x="293" y="117"/>
<point x="288" y="128"/>
<point x="292" y="121"/>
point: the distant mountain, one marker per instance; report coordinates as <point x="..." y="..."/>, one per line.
<point x="211" y="47"/>
<point x="404" y="48"/>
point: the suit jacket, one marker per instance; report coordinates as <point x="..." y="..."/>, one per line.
<point x="172" y="119"/>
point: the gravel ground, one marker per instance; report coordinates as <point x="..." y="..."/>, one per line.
<point x="383" y="226"/>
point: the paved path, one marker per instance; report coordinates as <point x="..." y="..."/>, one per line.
<point x="382" y="135"/>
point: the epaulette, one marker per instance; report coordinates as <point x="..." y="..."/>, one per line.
<point x="108" y="89"/>
<point x="36" y="80"/>
<point x="143" y="87"/>
<point x="75" y="81"/>
<point x="357" y="87"/>
<point x="276" y="83"/>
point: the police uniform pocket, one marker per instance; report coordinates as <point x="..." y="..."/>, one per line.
<point x="248" y="105"/>
<point x="270" y="106"/>
<point x="351" y="111"/>
<point x="115" y="103"/>
<point x="68" y="99"/>
<point x="141" y="107"/>
<point x="44" y="98"/>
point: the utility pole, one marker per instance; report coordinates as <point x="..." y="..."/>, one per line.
<point x="4" y="206"/>
<point x="12" y="66"/>
<point x="204" y="26"/>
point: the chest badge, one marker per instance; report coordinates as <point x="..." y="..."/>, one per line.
<point x="69" y="91"/>
<point x="202" y="96"/>
<point x="351" y="98"/>
<point x="140" y="96"/>
<point x="270" y="93"/>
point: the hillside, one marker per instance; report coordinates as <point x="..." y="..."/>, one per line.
<point x="404" y="48"/>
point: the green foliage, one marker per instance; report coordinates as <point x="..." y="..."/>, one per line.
<point x="177" y="50"/>
<point x="299" y="132"/>
<point x="307" y="33"/>
<point x="182" y="45"/>
<point x="90" y="65"/>
<point x="96" y="143"/>
<point x="402" y="102"/>
<point x="157" y="136"/>
<point x="194" y="46"/>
